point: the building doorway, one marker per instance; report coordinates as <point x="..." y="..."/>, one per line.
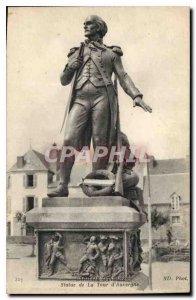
<point x="30" y="203"/>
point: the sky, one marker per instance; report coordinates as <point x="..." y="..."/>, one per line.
<point x="155" y="43"/>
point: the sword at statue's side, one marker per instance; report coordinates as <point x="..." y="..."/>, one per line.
<point x="119" y="183"/>
<point x="80" y="57"/>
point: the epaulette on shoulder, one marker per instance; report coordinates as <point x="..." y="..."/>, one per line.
<point x="72" y="50"/>
<point x="117" y="50"/>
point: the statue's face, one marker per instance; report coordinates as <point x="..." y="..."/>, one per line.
<point x="90" y="27"/>
<point x="92" y="239"/>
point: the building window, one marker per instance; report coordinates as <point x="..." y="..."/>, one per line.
<point x="175" y="219"/>
<point x="9" y="182"/>
<point x="30" y="180"/>
<point x="8" y="228"/>
<point x="8" y="205"/>
<point x="175" y="202"/>
<point x="30" y="203"/>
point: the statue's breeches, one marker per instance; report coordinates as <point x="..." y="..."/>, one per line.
<point x="90" y="108"/>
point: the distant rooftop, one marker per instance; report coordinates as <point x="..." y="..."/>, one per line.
<point x="163" y="186"/>
<point x="169" y="166"/>
<point x="32" y="161"/>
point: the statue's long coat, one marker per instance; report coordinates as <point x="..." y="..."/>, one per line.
<point x="108" y="62"/>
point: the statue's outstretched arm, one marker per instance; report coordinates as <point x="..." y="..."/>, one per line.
<point x="125" y="80"/>
<point x="128" y="85"/>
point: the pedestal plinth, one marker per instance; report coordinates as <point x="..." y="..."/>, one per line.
<point x="94" y="238"/>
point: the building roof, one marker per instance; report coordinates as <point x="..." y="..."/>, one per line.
<point x="164" y="185"/>
<point x="167" y="176"/>
<point x="169" y="166"/>
<point x="33" y="161"/>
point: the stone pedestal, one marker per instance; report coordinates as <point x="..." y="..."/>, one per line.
<point x="93" y="238"/>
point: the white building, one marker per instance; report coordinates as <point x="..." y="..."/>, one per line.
<point x="27" y="184"/>
<point x="170" y="194"/>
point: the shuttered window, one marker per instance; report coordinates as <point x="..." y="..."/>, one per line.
<point x="35" y="202"/>
<point x="35" y="180"/>
<point x="24" y="204"/>
<point x="9" y="182"/>
<point x="8" y="205"/>
<point x="30" y="180"/>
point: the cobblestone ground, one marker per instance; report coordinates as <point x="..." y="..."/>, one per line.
<point x="22" y="277"/>
<point x="18" y="251"/>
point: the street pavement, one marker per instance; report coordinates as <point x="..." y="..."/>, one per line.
<point x="22" y="271"/>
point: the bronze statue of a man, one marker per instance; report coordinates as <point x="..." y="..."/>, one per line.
<point x="93" y="107"/>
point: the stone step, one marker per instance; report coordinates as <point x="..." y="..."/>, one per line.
<point x="85" y="202"/>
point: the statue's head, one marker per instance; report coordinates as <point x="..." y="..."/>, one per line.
<point x="103" y="237"/>
<point x="94" y="25"/>
<point x="92" y="239"/>
<point x="55" y="237"/>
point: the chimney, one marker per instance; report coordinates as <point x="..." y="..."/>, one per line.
<point x="20" y="162"/>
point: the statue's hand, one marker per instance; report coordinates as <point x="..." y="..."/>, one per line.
<point x="139" y="102"/>
<point x="75" y="64"/>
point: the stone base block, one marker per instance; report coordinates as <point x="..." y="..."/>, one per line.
<point x="87" y="238"/>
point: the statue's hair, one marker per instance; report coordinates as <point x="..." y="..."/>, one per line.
<point x="101" y="24"/>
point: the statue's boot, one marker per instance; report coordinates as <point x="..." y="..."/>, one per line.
<point x="65" y="171"/>
<point x="61" y="191"/>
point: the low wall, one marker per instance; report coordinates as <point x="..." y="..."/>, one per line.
<point x="21" y="240"/>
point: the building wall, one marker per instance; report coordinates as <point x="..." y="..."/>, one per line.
<point x="17" y="192"/>
<point x="179" y="231"/>
<point x="166" y="188"/>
